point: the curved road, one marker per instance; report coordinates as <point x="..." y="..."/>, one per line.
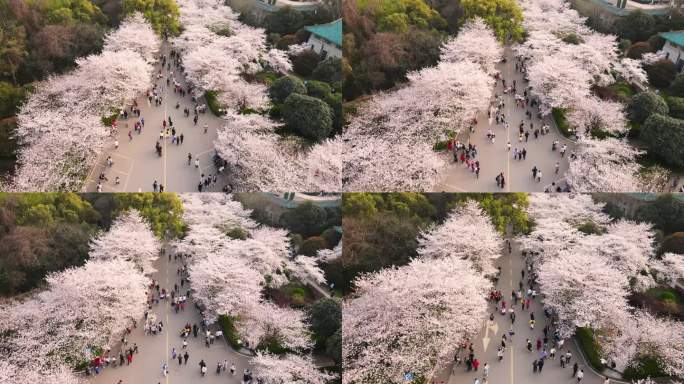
<point x="136" y="162"/>
<point x="516" y="366"/>
<point x="494" y="158"/>
<point x="155" y="350"/>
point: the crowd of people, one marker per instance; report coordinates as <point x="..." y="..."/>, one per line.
<point x="167" y="77"/>
<point x="530" y="128"/>
<point x="544" y="347"/>
<point x="172" y="299"/>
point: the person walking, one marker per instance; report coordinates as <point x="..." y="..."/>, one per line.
<point x="575" y="368"/>
<point x="540" y="364"/>
<point x="580" y="375"/>
<point x="186" y="357"/>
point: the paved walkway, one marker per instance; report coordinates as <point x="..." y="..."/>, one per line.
<point x="494" y="158"/>
<point x="155" y="350"/>
<point x="136" y="162"/>
<point x="516" y="366"/>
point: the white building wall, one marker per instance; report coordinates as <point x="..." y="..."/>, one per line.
<point x="319" y="45"/>
<point x="673" y="52"/>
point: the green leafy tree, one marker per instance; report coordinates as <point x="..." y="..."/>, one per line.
<point x="13" y="50"/>
<point x="284" y="21"/>
<point x="284" y="86"/>
<point x="333" y="346"/>
<point x="399" y="15"/>
<point x="644" y="104"/>
<point x="325" y="317"/>
<point x="318" y="89"/>
<point x="312" y="245"/>
<point x="661" y="73"/>
<point x="307" y="219"/>
<point x="676" y="106"/>
<point x="164" y="211"/>
<point x="162" y="14"/>
<point x="503" y="16"/>
<point x="311" y="117"/>
<point x="664" y="137"/>
<point x="304" y="63"/>
<point x="677" y="86"/>
<point x="636" y="26"/>
<point x="666" y="213"/>
<point x="328" y="70"/>
<point x="10" y="98"/>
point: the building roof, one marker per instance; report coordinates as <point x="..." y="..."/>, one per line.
<point x="674" y="37"/>
<point x="652" y="197"/>
<point x="331" y="32"/>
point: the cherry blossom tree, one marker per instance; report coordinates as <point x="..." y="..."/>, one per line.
<point x="225" y="285"/>
<point x="11" y="374"/>
<point x="467" y="233"/>
<point x="135" y="34"/>
<point x="60" y="131"/>
<point x="129" y="238"/>
<point x="48" y="330"/>
<point x="306" y="267"/>
<point x="669" y="268"/>
<point x="380" y="165"/>
<point x="646" y="335"/>
<point x="269" y="322"/>
<point x="475" y="42"/>
<point x="288" y="369"/>
<point x="583" y="290"/>
<point x="260" y="160"/>
<point x="407" y="319"/>
<point x="604" y="166"/>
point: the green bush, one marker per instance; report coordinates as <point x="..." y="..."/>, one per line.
<point x="668" y="297"/>
<point x="305" y="63"/>
<point x="677" y="86"/>
<point x="561" y="121"/>
<point x="236" y="233"/>
<point x="284" y="87"/>
<point x="227" y="325"/>
<point x="590" y="348"/>
<point x="441" y="146"/>
<point x="644" y="104"/>
<point x="328" y="70"/>
<point x="590" y="228"/>
<point x="272" y="345"/>
<point x="108" y="120"/>
<point x="644" y="367"/>
<point x="572" y="38"/>
<point x="664" y="137"/>
<point x="311" y="245"/>
<point x="332" y="236"/>
<point x="318" y="89"/>
<point x="212" y="103"/>
<point x="661" y="73"/>
<point x="676" y="106"/>
<point x="309" y="116"/>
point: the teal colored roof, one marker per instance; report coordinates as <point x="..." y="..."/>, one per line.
<point x="652" y="196"/>
<point x="331" y="31"/>
<point x="675" y="37"/>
